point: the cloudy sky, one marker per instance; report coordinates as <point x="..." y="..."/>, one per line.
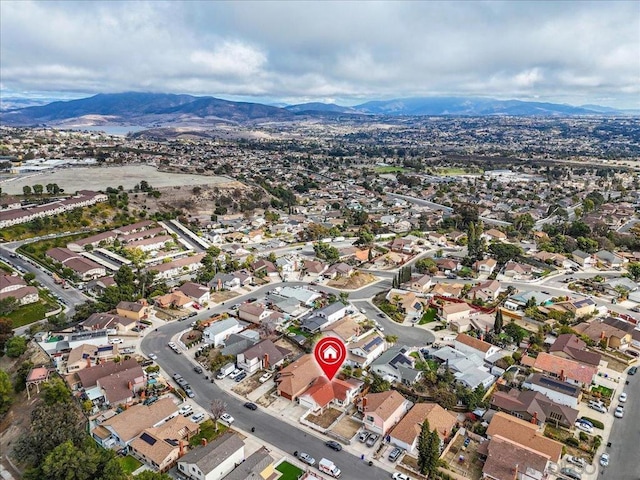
<point x="345" y="52"/>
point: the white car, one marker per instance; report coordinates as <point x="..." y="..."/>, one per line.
<point x="153" y="356"/>
<point x="576" y="461"/>
<point x="116" y="341"/>
<point x="604" y="459"/>
<point x="584" y="427"/>
<point x="619" y="413"/>
<point x="185" y="410"/>
<point x="266" y="376"/>
<point x="306" y="458"/>
<point x="623" y="397"/>
<point x="362" y="310"/>
<point x="400" y="476"/>
<point x="226" y="418"/>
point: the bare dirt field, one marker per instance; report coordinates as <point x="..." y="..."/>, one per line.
<point x="347" y="427"/>
<point x="223" y="296"/>
<point x="326" y="418"/>
<point x="99" y="178"/>
<point x="246" y="386"/>
<point x="355" y="281"/>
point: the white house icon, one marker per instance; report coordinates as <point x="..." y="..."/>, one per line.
<point x="330" y="353"/>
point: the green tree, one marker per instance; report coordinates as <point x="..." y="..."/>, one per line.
<point x="503" y="252"/>
<point x="516" y="332"/>
<point x="6" y="331"/>
<point x="524" y="223"/>
<point x="426" y="265"/>
<point x="379" y="385"/>
<point x="8" y="305"/>
<point x="55" y="391"/>
<point x="149" y="475"/>
<point x="344" y="297"/>
<point x="38" y="189"/>
<point x="633" y="268"/>
<point x="6" y="392"/>
<point x="497" y="324"/>
<point x="428" y="450"/>
<point x="16" y="346"/>
<point x="26" y="190"/>
<point x="68" y="462"/>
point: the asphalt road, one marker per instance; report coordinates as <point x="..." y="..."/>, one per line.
<point x="624" y="463"/>
<point x="267" y="427"/>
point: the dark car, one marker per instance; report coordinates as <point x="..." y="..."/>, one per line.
<point x="395" y="453"/>
<point x="197" y="369"/>
<point x="633" y="370"/>
<point x="241" y="377"/>
<point x="332" y="444"/>
<point x="251" y="406"/>
<point x="571" y="473"/>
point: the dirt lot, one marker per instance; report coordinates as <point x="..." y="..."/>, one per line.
<point x="355" y="281"/>
<point x="99" y="178"/>
<point x="326" y="418"/>
<point x="247" y="385"/>
<point x="268" y="398"/>
<point x="347" y="427"/>
<point x="470" y="466"/>
<point x="219" y="297"/>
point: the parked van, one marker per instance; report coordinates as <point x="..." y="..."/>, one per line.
<point x="328" y="467"/>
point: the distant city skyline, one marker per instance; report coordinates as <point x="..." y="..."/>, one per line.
<point x="577" y="53"/>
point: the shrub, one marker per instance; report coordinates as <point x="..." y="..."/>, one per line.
<point x="583" y="436"/>
<point x="573" y="441"/>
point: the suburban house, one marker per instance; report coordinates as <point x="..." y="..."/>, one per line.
<point x="259" y="465"/>
<point x="448" y="265"/>
<point x="581" y="307"/>
<point x="558" y="391"/>
<point x="485" y="266"/>
<point x="451" y="290"/>
<point x="506" y="459"/>
<point x="302" y="295"/>
<point x="265" y="268"/>
<point x="123" y="428"/>
<point x="134" y="310"/>
<point x="486" y="291"/>
<point x="339" y="270"/>
<point x="253" y="312"/>
<point x="600" y="331"/>
<point x="395" y="365"/>
<point x="475" y="346"/>
<point x="406" y="432"/>
<point x="360" y="354"/>
<point x="517" y="270"/>
<point x="88" y="378"/>
<point x="239" y="342"/>
<point x="583" y="259"/>
<point x="407" y="302"/>
<point x="534" y="407"/>
<point x="348" y="329"/>
<point x="217" y="332"/>
<point x="401" y="245"/>
<point x="493" y="234"/>
<point x="175" y="299"/>
<point x="468" y="368"/>
<point x="608" y="259"/>
<point x="565" y="369"/>
<point x="521" y="300"/>
<point x="109" y="321"/>
<point x="196" y="292"/>
<point x="323" y="317"/>
<point x="214" y="460"/>
<point x="455" y="311"/>
<point x="314" y="267"/>
<point x="421" y="284"/>
<point x="437" y="238"/>
<point x="570" y="346"/>
<point x="262" y="355"/>
<point x="524" y="433"/>
<point x="324" y="392"/>
<point x="16" y="287"/>
<point x="161" y="446"/>
<point x="382" y="411"/>
<point x="293" y="380"/>
<point x="87" y="355"/>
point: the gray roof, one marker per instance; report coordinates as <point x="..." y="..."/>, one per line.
<point x="330" y="309"/>
<point x="236" y="343"/>
<point x="250" y="469"/>
<point x="210" y="456"/>
<point x="221" y="326"/>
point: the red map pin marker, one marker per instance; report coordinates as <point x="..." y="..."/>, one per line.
<point x="330" y="354"/>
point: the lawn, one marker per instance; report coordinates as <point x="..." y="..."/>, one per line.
<point x="390" y="169"/>
<point x="456" y="171"/>
<point x="289" y="471"/>
<point x="298" y="331"/>
<point x="208" y="431"/>
<point x="28" y="314"/>
<point x="428" y="317"/>
<point x="129" y="464"/>
<point x="603" y="391"/>
<point x="6" y="268"/>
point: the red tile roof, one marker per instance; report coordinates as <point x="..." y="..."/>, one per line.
<point x="563" y="367"/>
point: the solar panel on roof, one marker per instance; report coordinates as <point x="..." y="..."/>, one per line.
<point x="148" y="438"/>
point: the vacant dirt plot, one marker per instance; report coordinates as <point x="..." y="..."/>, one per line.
<point x="326" y="418"/>
<point x="219" y="297"/>
<point x="268" y="398"/>
<point x="355" y="281"/>
<point x="247" y="385"/>
<point x="347" y="427"/>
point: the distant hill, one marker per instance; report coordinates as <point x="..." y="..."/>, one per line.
<point x="160" y="109"/>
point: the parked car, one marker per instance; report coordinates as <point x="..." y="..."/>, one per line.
<point x="373" y="438"/>
<point x="619" y="413"/>
<point x="197" y="306"/>
<point x="633" y="370"/>
<point x="604" y="459"/>
<point x="395" y="454"/>
<point x="153" y="356"/>
<point x="115" y="341"/>
<point x="251" y="406"/>
<point x="400" y="476"/>
<point x="584" y="427"/>
<point x="185" y="410"/>
<point x="197" y="369"/>
<point x="577" y="461"/>
<point x="585" y="421"/>
<point x="623" y="397"/>
<point x="571" y="473"/>
<point x="598" y="406"/>
<point x="241" y="377"/>
<point x="306" y="458"/>
<point x="198" y="417"/>
<point x="228" y="419"/>
<point x="265" y="376"/>
<point x="190" y="393"/>
<point x="332" y="444"/>
<point x="362" y="436"/>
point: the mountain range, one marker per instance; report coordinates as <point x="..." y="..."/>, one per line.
<point x="157" y="109"/>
